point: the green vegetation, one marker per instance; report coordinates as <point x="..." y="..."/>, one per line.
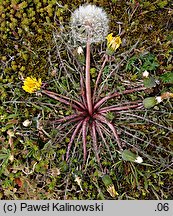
<point x="36" y="41"/>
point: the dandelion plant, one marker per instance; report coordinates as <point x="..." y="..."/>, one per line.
<point x="89" y="25"/>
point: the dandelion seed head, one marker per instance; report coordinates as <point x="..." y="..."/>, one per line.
<point x="89" y="21"/>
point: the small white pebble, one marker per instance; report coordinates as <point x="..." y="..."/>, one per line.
<point x="145" y="74"/>
<point x="27" y="123"/>
<point x="79" y="50"/>
<point x="159" y="99"/>
<point x="139" y="160"/>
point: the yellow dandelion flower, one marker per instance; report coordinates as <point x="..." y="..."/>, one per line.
<point x="113" y="42"/>
<point x="31" y="84"/>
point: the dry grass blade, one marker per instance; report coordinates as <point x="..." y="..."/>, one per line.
<point x="78" y="126"/>
<point x="99" y="130"/>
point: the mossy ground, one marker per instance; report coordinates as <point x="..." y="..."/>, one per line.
<point x="32" y="158"/>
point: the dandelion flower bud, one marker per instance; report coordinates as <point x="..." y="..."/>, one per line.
<point x="89" y="22"/>
<point x="130" y="156"/>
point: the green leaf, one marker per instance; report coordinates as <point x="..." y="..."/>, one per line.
<point x="93" y="72"/>
<point x="167" y="77"/>
<point x="162" y="4"/>
<point x="149" y="82"/>
<point x="3" y="156"/>
<point x="149" y="102"/>
<point x="150" y="62"/>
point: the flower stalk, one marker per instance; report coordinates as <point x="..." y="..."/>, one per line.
<point x="87" y="79"/>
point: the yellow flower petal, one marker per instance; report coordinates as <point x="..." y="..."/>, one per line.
<point x="31" y="84"/>
<point x="109" y="37"/>
<point x="113" y="43"/>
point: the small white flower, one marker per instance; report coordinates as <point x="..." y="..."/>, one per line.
<point x="159" y="99"/>
<point x="139" y="160"/>
<point x="27" y="123"/>
<point x="145" y="74"/>
<point x="79" y="50"/>
<point x="11" y="158"/>
<point x="78" y="180"/>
